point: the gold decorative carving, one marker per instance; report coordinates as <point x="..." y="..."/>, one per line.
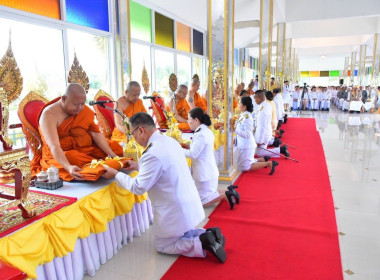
<point x="145" y="80"/>
<point x="10" y="75"/>
<point x="78" y="75"/>
<point x="173" y="83"/>
<point x="104" y="124"/>
<point x="17" y="161"/>
<point x="32" y="134"/>
<point x="4" y="104"/>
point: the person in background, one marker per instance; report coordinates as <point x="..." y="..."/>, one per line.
<point x="203" y="165"/>
<point x="245" y="141"/>
<point x="129" y="104"/>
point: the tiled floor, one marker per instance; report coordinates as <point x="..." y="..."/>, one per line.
<point x="352" y="149"/>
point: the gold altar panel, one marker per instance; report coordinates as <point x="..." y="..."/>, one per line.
<point x="78" y="75"/>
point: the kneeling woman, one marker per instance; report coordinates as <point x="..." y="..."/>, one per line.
<point x="246" y="142"/>
<point x="204" y="169"/>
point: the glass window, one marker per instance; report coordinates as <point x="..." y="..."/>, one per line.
<point x="141" y="22"/>
<point x="88" y="13"/>
<point x="39" y="55"/>
<point x="140" y="55"/>
<point x="47" y="8"/>
<point x="199" y="68"/>
<point x="164" y="30"/>
<point x="164" y="62"/>
<point x="197" y="42"/>
<point x="184" y="69"/>
<point x="183" y="37"/>
<point x="92" y="53"/>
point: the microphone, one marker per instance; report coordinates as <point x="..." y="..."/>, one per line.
<point x="151" y="97"/>
<point x="100" y="102"/>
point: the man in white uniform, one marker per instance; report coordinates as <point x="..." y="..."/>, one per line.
<point x="286" y="96"/>
<point x="164" y="174"/>
<point x="313" y="99"/>
<point x="263" y="129"/>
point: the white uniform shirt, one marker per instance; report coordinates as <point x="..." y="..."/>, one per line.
<point x="244" y="131"/>
<point x="279" y="106"/>
<point x="201" y="153"/>
<point x="313" y="94"/>
<point x="263" y="131"/>
<point x="165" y="175"/>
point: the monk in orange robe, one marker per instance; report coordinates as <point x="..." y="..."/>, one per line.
<point x="70" y="137"/>
<point x="250" y="88"/>
<point x="180" y="107"/>
<point x="194" y="99"/>
<point x="129" y="104"/>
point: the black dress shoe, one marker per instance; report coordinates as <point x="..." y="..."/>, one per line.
<point x="284" y="151"/>
<point x="219" y="237"/>
<point x="236" y="195"/>
<point x="232" y="187"/>
<point x="281" y="133"/>
<point x="274" y="164"/>
<point x="276" y="142"/>
<point x="209" y="243"/>
<point x="231" y="199"/>
<point x="266" y="158"/>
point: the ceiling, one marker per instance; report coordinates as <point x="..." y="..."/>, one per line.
<point x="324" y="32"/>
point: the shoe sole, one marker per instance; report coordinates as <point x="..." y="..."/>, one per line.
<point x="219" y="237"/>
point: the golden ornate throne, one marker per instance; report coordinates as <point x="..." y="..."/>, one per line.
<point x="13" y="162"/>
<point x="28" y="111"/>
<point x="105" y="116"/>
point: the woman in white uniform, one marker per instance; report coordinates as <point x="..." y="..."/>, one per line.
<point x="203" y="165"/>
<point x="245" y="141"/>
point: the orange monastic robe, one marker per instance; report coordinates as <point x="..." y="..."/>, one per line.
<point x="76" y="142"/>
<point x="251" y="92"/>
<point x="183" y="109"/>
<point x="200" y="102"/>
<point x="235" y="102"/>
<point x="132" y="108"/>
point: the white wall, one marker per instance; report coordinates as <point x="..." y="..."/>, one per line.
<point x="315" y="64"/>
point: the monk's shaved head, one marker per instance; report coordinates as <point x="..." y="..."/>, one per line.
<point x="74" y="90"/>
<point x="74" y="99"/>
<point x="194" y="82"/>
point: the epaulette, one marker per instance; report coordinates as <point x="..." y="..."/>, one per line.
<point x="150" y="145"/>
<point x="246" y="116"/>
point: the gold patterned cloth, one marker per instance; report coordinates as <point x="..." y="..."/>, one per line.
<point x="42" y="204"/>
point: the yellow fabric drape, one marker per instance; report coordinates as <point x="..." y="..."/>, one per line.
<point x="56" y="234"/>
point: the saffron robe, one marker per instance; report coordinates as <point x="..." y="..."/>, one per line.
<point x="76" y="143"/>
<point x="183" y="109"/>
<point x="129" y="111"/>
<point x="200" y="102"/>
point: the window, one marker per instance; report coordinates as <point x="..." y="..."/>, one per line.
<point x="39" y="55"/>
<point x="184" y="70"/>
<point x="141" y="56"/>
<point x="92" y="53"/>
<point x="164" y="62"/>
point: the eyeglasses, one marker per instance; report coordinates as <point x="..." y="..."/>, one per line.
<point x="131" y="133"/>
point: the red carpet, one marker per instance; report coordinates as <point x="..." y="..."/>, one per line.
<point x="284" y="227"/>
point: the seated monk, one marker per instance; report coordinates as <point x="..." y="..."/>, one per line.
<point x="70" y="137"/>
<point x="129" y="104"/>
<point x="180" y="107"/>
<point x="250" y="88"/>
<point x="194" y="99"/>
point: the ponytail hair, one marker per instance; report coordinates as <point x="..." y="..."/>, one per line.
<point x="197" y="113"/>
<point x="247" y="102"/>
